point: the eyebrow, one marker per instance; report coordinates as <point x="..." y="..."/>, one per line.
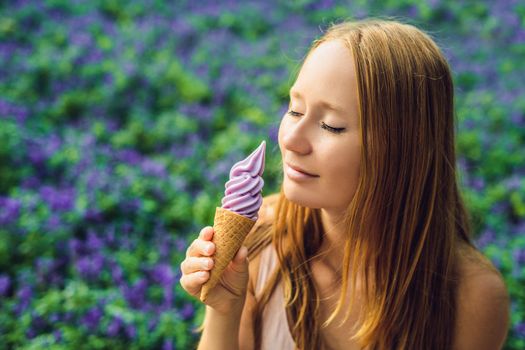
<point x="325" y="104"/>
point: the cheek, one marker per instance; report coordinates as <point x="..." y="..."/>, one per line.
<point x="345" y="166"/>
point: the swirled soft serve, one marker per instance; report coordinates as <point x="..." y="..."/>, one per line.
<point x="242" y="193"/>
<point x="234" y="220"/>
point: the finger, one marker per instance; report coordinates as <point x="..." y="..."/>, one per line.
<point x="194" y="264"/>
<point x="193" y="282"/>
<point x="206" y="233"/>
<point x="200" y="248"/>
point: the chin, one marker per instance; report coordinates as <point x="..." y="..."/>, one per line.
<point x="299" y="196"/>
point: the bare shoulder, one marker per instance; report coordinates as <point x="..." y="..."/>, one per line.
<point x="483" y="305"/>
<point x="268" y="207"/>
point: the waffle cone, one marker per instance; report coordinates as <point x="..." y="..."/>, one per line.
<point x="230" y="230"/>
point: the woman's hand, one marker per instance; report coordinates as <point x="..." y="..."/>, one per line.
<point x="229" y="294"/>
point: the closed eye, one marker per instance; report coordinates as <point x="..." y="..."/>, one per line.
<point x="294" y="114"/>
<point x="332" y="129"/>
<point x="323" y="124"/>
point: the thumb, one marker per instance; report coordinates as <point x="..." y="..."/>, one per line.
<point x="238" y="274"/>
<point x="240" y="261"/>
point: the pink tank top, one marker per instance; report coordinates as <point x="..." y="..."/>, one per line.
<point x="275" y="332"/>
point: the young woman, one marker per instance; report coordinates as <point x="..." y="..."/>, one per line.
<point x="367" y="245"/>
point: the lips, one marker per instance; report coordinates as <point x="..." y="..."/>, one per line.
<point x="298" y="168"/>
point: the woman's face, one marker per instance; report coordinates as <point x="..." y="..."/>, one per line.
<point x="320" y="132"/>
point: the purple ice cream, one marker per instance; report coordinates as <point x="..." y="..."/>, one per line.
<point x="243" y="190"/>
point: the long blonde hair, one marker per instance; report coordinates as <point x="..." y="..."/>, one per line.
<point x="406" y="220"/>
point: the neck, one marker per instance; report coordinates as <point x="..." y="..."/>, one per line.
<point x="332" y="248"/>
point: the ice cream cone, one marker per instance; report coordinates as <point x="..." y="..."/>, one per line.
<point x="230" y="230"/>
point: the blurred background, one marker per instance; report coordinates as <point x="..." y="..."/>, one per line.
<point x="119" y="122"/>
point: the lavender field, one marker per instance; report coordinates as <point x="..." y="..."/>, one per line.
<point x="119" y="122"/>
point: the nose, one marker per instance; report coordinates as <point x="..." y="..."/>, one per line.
<point x="295" y="136"/>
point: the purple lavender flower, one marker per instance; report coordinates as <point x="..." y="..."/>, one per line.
<point x="187" y="311"/>
<point x="40" y="150"/>
<point x="24" y="296"/>
<point x="131" y="331"/>
<point x="478" y="183"/>
<point x="488" y="236"/>
<point x="519" y="36"/>
<point x="519" y="256"/>
<point x="500" y="208"/>
<point x="131" y="206"/>
<point x="53" y="223"/>
<point x="136" y="294"/>
<point x="92" y="318"/>
<point x="115" y="327"/>
<point x="163" y="275"/>
<point x="178" y="183"/>
<point x="9" y="210"/>
<point x="93" y="214"/>
<point x="31" y="182"/>
<point x="93" y="242"/>
<point x="517" y="118"/>
<point x="58" y="335"/>
<point x="197" y="112"/>
<point x="153" y="168"/>
<point x="54" y="318"/>
<point x="31" y="333"/>
<point x="44" y="266"/>
<point x="89" y="267"/>
<point x="37" y="322"/>
<point x="168" y="296"/>
<point x="167" y="345"/>
<point x="58" y="200"/>
<point x="181" y="151"/>
<point x="21" y="115"/>
<point x="83" y="266"/>
<point x="9" y="109"/>
<point x="76" y="247"/>
<point x="513" y="183"/>
<point x="109" y="235"/>
<point x="181" y="244"/>
<point x="94" y="179"/>
<point x="152" y="324"/>
<point x="4" y="105"/>
<point x="5" y="283"/>
<point x="80" y="39"/>
<point x="321" y="5"/>
<point x="68" y="316"/>
<point x="127" y="227"/>
<point x="520" y="329"/>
